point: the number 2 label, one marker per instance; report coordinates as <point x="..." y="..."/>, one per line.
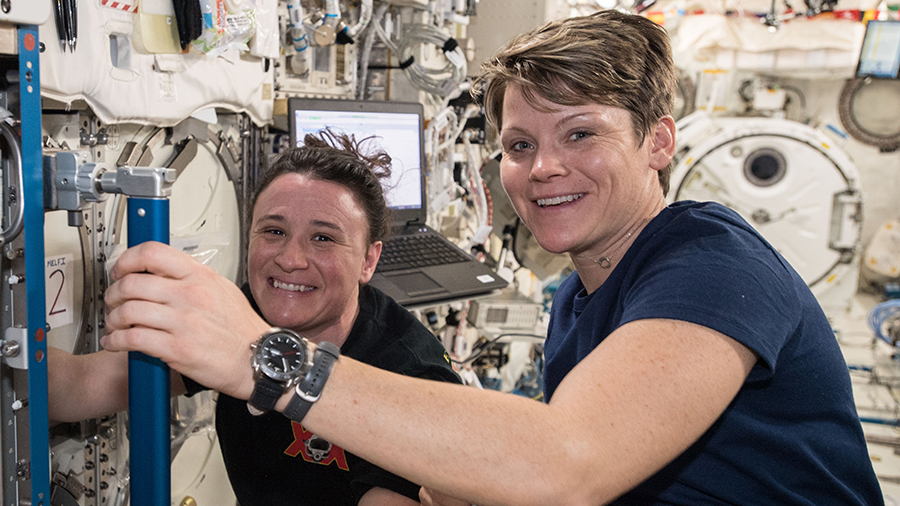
<point x="58" y="288"/>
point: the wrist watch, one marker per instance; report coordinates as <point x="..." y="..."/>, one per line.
<point x="281" y="358"/>
<point x="310" y="387"/>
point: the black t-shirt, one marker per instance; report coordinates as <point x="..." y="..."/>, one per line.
<point x="274" y="461"/>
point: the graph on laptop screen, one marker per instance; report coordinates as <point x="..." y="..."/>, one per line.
<point x="396" y="128"/>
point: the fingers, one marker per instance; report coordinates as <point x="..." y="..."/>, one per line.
<point x="145" y="287"/>
<point x="152" y="342"/>
<point x="156" y="258"/>
<point x="168" y="305"/>
<point x="425" y="497"/>
<point x="140" y="313"/>
<point x="429" y="497"/>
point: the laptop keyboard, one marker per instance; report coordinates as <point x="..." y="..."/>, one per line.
<point x="409" y="251"/>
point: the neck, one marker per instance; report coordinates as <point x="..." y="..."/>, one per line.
<point x="594" y="269"/>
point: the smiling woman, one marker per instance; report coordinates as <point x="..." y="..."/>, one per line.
<point x="564" y="162"/>
<point x="695" y="368"/>
<point x="308" y="256"/>
<point x="319" y="215"/>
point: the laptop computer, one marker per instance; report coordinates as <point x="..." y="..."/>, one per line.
<point x="398" y="130"/>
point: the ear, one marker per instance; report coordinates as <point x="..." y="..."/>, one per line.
<point x="373" y="253"/>
<point x="662" y="141"/>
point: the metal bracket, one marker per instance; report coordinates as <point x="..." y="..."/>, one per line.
<point x="93" y="139"/>
<point x="76" y="181"/>
<point x="146" y="182"/>
<point x="15" y="348"/>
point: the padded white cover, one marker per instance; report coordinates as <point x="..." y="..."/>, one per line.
<point x="159" y="90"/>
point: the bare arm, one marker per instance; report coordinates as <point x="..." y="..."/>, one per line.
<point x="638" y="401"/>
<point x="644" y="395"/>
<point x="85" y="386"/>
<point x="80" y="387"/>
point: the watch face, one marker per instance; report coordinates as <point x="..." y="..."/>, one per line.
<point x="281" y="356"/>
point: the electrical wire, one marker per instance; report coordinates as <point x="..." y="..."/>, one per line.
<point x="484" y="347"/>
<point x="299" y="61"/>
<point x="880" y="421"/>
<point x="882" y="314"/>
<point x="437" y="81"/>
<point x="477" y="185"/>
<point x="365" y="17"/>
<point x="367" y="50"/>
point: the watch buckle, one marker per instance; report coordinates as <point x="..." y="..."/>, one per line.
<point x="305" y="396"/>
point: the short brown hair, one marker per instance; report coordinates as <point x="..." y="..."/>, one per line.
<point x="609" y="58"/>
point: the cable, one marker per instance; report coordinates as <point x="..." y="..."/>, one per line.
<point x="365" y="17"/>
<point x="442" y="81"/>
<point x="299" y="61"/>
<point x="882" y="314"/>
<point x="476" y="184"/>
<point x="367" y="50"/>
<point x="880" y="421"/>
<point x="481" y="351"/>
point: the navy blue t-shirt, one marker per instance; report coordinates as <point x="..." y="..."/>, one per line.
<point x="792" y="434"/>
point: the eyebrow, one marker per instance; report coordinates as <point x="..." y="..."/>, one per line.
<point x="278" y="218"/>
<point x="575" y="116"/>
<point x="559" y="123"/>
<point x="272" y="217"/>
<point x="326" y="224"/>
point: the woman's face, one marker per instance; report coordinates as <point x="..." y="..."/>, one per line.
<point x="576" y="174"/>
<point x="308" y="254"/>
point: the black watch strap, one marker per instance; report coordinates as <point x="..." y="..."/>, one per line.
<point x="310" y="388"/>
<point x="265" y="395"/>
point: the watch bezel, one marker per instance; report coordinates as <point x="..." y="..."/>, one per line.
<point x="290" y="377"/>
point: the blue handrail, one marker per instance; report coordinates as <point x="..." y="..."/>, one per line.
<point x="148" y="382"/>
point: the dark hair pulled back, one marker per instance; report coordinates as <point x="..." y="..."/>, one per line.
<point x="341" y="159"/>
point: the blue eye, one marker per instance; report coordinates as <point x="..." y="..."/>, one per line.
<point x="519" y="146"/>
<point x="580" y="135"/>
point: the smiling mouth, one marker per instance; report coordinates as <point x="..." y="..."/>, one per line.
<point x="292" y="288"/>
<point x="555" y="201"/>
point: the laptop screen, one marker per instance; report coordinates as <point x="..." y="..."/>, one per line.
<point x="880" y="52"/>
<point x="396" y="128"/>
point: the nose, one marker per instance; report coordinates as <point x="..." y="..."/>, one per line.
<point x="292" y="255"/>
<point x="547" y="163"/>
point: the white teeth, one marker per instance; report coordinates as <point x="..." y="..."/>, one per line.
<point x="555" y="201"/>
<point x="292" y="288"/>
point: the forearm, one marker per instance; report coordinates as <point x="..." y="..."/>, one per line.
<point x="634" y="404"/>
<point x="488" y="447"/>
<point x="80" y="387"/>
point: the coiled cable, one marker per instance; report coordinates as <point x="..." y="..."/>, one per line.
<point x="438" y="81"/>
<point x="884" y="320"/>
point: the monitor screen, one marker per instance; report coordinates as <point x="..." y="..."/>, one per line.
<point x="880" y="53"/>
<point x="395" y="126"/>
